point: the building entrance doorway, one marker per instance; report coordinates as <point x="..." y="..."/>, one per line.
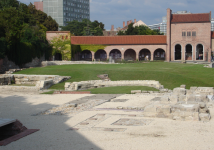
<point x="178" y="52"/>
<point x="188" y="53"/>
<point x="199" y="52"/>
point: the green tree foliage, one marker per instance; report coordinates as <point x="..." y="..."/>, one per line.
<point x="21" y="37"/>
<point x="62" y="46"/>
<point x="86" y="27"/>
<point x="139" y="30"/>
<point x="43" y="18"/>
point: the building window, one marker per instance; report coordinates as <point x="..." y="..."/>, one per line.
<point x="188" y="33"/>
<point x="183" y="33"/>
<point x="193" y="33"/>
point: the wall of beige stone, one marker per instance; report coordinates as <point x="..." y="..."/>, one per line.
<point x="75" y="86"/>
<point x="212" y="44"/>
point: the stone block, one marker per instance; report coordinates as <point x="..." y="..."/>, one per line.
<point x="183" y="86"/>
<point x="182" y="98"/>
<point x="179" y="91"/>
<point x="165" y="99"/>
<point x="144" y="91"/>
<point x="204" y="90"/>
<point x="173" y="98"/>
<point x="193" y="88"/>
<point x="204" y="117"/>
<point x="204" y="110"/>
<point x="201" y="98"/>
<point x="210" y="97"/>
<point x="191" y="98"/>
<point x="135" y="91"/>
<point x="165" y="109"/>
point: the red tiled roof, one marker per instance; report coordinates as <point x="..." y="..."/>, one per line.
<point x="120" y="40"/>
<point x="57" y="31"/>
<point x="212" y="34"/>
<point x="189" y="18"/>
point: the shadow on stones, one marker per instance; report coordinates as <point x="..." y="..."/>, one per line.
<point x="54" y="133"/>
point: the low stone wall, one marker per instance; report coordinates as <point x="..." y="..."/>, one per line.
<point x="83" y="85"/>
<point x="7" y="64"/>
<point x="40" y="81"/>
<point x="31" y="79"/>
<point x="50" y="63"/>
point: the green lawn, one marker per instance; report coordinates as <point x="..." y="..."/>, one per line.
<point x="170" y="75"/>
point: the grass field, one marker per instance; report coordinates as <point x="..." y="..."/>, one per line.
<point x="170" y="75"/>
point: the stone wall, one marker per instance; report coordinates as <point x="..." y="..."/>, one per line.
<point x="7" y="64"/>
<point x="100" y="83"/>
<point x="40" y="81"/>
<point x="50" y="63"/>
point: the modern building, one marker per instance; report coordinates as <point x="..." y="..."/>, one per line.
<point x="188" y="38"/>
<point x="65" y="10"/>
<point x="212" y="24"/>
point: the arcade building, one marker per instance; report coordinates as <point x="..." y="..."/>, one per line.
<point x="189" y="38"/>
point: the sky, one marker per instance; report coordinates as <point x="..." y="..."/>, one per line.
<point x="114" y="12"/>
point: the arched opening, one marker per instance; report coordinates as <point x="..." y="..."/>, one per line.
<point x="115" y="54"/>
<point x="144" y="53"/>
<point x="199" y="52"/>
<point x="159" y="54"/>
<point x="188" y="53"/>
<point x="178" y="52"/>
<point x="130" y="55"/>
<point x="100" y="55"/>
<point x="85" y="55"/>
<point x="58" y="56"/>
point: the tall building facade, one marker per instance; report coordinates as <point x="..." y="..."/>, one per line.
<point x="212" y="24"/>
<point x="64" y="11"/>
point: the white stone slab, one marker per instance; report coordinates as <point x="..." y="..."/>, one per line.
<point x="4" y="121"/>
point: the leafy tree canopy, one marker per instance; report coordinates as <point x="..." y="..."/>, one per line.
<point x="86" y="27"/>
<point x="139" y="30"/>
<point x="22" y="35"/>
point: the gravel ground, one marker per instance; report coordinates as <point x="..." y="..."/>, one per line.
<point x="131" y="131"/>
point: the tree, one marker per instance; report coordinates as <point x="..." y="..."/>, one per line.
<point x="61" y="46"/>
<point x="86" y="27"/>
<point x="139" y="30"/>
<point x="43" y="18"/>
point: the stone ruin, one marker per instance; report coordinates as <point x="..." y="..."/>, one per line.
<point x="83" y="85"/>
<point x="183" y="104"/>
<point x="40" y="81"/>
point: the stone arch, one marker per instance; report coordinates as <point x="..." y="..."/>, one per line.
<point x="85" y="55"/>
<point x="130" y="54"/>
<point x="199" y="53"/>
<point x="115" y="54"/>
<point x="188" y="52"/>
<point x="178" y="52"/>
<point x="159" y="54"/>
<point x="100" y="55"/>
<point x="58" y="56"/>
<point x="143" y="53"/>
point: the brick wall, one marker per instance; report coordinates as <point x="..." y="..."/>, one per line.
<point x="203" y="35"/>
<point x="51" y="34"/>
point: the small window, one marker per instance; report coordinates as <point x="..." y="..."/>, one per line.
<point x="188" y="33"/>
<point x="183" y="33"/>
<point x="193" y="33"/>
